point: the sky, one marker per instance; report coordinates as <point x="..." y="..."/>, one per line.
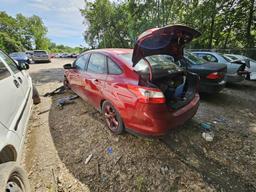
<point x="61" y="17"/>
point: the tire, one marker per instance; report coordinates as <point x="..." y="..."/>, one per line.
<point x="13" y="178"/>
<point x="112" y="118"/>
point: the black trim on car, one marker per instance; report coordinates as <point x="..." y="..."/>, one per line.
<point x="22" y="112"/>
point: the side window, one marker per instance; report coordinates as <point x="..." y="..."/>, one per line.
<point x="209" y="57"/>
<point x="81" y="62"/>
<point x="113" y="68"/>
<point x="97" y="64"/>
<point x="9" y="62"/>
<point x="4" y="72"/>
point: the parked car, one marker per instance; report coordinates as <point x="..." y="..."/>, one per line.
<point x="41" y="56"/>
<point x="141" y="90"/>
<point x="236" y="72"/>
<point x="252" y="63"/>
<point x="21" y="57"/>
<point x="16" y="102"/>
<point x="211" y="74"/>
<point x="29" y="54"/>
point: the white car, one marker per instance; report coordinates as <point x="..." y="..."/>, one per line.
<point x="16" y="102"/>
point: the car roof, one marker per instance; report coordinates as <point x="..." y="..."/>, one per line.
<point x="112" y="51"/>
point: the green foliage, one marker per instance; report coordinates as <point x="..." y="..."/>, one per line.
<point x="64" y="49"/>
<point x="223" y="23"/>
<point x="21" y="33"/>
<point x="26" y="33"/>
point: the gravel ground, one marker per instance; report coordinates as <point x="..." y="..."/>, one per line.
<point x="60" y="141"/>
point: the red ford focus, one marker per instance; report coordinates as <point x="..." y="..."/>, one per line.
<point x="140" y="90"/>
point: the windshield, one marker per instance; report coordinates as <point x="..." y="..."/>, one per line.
<point x="194" y="59"/>
<point x="158" y="62"/>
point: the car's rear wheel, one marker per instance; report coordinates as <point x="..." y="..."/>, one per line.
<point x="113" y="118"/>
<point x="13" y="178"/>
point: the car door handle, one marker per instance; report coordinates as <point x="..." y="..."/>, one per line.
<point x="16" y="83"/>
<point x="20" y="80"/>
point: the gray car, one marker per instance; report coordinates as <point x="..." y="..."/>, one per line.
<point x="236" y="72"/>
<point x="41" y="56"/>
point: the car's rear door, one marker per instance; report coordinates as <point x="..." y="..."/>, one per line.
<point x="94" y="78"/>
<point x="11" y="99"/>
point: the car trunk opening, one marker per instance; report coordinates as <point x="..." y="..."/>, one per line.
<point x="177" y="85"/>
<point x="178" y="88"/>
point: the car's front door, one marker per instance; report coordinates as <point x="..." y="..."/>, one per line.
<point x="75" y="74"/>
<point x="95" y="78"/>
<point x="11" y="99"/>
<point x="21" y="75"/>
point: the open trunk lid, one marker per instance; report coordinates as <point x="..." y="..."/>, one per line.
<point x="168" y="40"/>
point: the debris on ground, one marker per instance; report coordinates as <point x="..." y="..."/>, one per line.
<point x="109" y="150"/>
<point x="66" y="100"/>
<point x="59" y="90"/>
<point x="88" y="159"/>
<point x="207" y="132"/>
<point x="45" y="111"/>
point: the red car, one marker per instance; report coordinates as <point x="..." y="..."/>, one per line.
<point x="140" y="90"/>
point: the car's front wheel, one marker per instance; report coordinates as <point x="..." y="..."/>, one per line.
<point x="13" y="178"/>
<point x="113" y="118"/>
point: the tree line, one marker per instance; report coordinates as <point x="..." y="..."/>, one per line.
<point x="223" y="23"/>
<point x="22" y="33"/>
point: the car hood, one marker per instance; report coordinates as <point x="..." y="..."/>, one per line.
<point x="168" y="40"/>
<point x="208" y="67"/>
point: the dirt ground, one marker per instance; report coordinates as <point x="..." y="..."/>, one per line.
<point x="61" y="140"/>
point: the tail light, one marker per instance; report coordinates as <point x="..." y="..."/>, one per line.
<point x="214" y="75"/>
<point x="147" y="95"/>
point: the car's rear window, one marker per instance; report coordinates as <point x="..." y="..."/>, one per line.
<point x="193" y="59"/>
<point x="40" y="52"/>
<point x="158" y="62"/>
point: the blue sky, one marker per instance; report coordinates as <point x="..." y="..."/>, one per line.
<point x="61" y="17"/>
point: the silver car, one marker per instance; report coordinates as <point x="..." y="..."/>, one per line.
<point x="41" y="56"/>
<point x="236" y="72"/>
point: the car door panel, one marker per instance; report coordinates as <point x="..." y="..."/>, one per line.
<point x="94" y="79"/>
<point x="17" y="100"/>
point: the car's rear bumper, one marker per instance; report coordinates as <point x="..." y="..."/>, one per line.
<point x="234" y="78"/>
<point x="41" y="59"/>
<point x="157" y="120"/>
<point x="214" y="87"/>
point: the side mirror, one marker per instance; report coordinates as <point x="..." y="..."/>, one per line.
<point x="23" y="66"/>
<point x="68" y="66"/>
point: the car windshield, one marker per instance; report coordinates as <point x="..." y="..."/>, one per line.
<point x="194" y="59"/>
<point x="158" y="62"/>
